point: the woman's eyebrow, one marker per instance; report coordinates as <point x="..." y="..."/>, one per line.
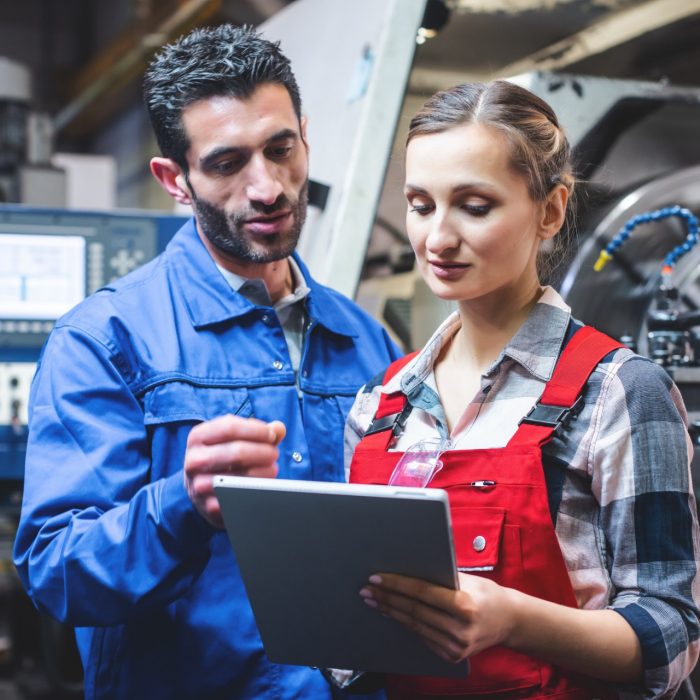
<point x="460" y="187"/>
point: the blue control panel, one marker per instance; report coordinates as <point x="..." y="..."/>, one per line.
<point x="49" y="261"/>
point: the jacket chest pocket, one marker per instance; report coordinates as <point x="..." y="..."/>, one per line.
<point x="172" y="409"/>
<point x="180" y="402"/>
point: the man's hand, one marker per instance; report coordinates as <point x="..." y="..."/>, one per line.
<point x="228" y="445"/>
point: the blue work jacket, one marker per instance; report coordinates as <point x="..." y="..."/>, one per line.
<point x="109" y="541"/>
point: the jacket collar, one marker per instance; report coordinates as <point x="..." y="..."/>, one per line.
<point x="209" y="298"/>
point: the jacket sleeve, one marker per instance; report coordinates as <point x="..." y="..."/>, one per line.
<point x="641" y="478"/>
<point x="99" y="542"/>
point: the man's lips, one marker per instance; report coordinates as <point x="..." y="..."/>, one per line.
<point x="268" y="223"/>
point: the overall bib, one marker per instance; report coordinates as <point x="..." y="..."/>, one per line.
<point x="502" y="526"/>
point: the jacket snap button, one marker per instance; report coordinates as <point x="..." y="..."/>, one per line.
<point x="296" y="456"/>
<point x="479" y="543"/>
<point x="277" y="364"/>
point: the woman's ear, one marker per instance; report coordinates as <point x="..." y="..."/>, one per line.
<point x="172" y="179"/>
<point x="554" y="212"/>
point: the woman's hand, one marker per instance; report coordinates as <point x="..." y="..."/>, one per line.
<point x="481" y="614"/>
<point x="454" y="624"/>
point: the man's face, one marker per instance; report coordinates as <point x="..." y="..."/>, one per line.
<point x="248" y="174"/>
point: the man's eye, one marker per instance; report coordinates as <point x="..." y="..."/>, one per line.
<point x="280" y="151"/>
<point x="225" y="167"/>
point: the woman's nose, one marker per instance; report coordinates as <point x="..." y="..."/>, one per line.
<point x="442" y="235"/>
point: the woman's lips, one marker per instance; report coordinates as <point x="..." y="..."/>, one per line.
<point x="446" y="270"/>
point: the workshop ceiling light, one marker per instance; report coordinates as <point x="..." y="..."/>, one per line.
<point x="434" y="19"/>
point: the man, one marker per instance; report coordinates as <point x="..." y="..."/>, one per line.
<point x="179" y="371"/>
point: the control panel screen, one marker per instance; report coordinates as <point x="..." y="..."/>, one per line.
<point x="41" y="276"/>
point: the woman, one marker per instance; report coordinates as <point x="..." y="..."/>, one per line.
<point x="575" y="530"/>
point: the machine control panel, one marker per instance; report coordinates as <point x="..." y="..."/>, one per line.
<point x="49" y="261"/>
<point x="52" y="259"/>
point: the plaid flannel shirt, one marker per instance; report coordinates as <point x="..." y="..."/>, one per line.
<point x="618" y="477"/>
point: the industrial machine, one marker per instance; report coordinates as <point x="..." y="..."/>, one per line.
<point x="637" y="146"/>
<point x="637" y="151"/>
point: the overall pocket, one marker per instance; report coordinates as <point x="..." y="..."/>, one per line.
<point x="486" y="546"/>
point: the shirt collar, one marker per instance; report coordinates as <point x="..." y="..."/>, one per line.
<point x="210" y="299"/>
<point x="535" y="346"/>
<point x="256" y="292"/>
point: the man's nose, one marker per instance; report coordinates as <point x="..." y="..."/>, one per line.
<point x="263" y="185"/>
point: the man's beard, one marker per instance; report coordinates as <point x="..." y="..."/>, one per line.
<point x="225" y="231"/>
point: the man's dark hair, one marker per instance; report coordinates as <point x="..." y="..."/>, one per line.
<point x="218" y="61"/>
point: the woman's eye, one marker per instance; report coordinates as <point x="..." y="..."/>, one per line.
<point x="421" y="209"/>
<point x="477" y="209"/>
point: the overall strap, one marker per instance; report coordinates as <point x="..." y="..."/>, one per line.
<point x="562" y="395"/>
<point x="392" y="412"/>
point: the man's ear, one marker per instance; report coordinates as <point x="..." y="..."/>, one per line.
<point x="554" y="212"/>
<point x="172" y="179"/>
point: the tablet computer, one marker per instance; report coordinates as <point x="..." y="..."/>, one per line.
<point x="305" y="549"/>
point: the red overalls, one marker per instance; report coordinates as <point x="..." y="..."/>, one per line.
<point x="502" y="529"/>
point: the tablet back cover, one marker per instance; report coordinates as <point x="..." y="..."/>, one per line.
<point x="306" y="549"/>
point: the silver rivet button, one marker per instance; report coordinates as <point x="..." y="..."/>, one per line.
<point x="479" y="543"/>
<point x="296" y="456"/>
<point x="305" y="373"/>
<point x="277" y="364"/>
<point x="266" y="319"/>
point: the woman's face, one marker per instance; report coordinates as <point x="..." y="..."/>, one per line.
<point x="471" y="221"/>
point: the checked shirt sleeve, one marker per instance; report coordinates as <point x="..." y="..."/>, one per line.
<point x="641" y="477"/>
<point x="359" y="418"/>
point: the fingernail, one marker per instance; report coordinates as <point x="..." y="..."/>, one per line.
<point x="375" y="578"/>
<point x="371" y="602"/>
<point x="366" y="593"/>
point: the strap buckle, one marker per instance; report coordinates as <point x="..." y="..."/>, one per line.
<point x="395" y="421"/>
<point x="550" y="416"/>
